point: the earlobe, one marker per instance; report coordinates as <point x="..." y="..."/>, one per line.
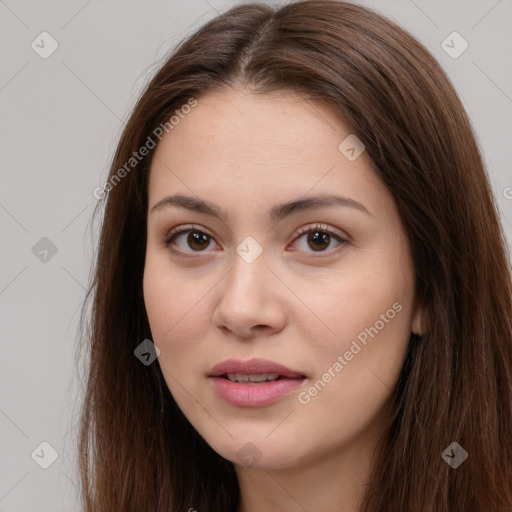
<point x="418" y="321"/>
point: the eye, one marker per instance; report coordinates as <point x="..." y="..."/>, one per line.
<point x="319" y="237"/>
<point x="197" y="239"/>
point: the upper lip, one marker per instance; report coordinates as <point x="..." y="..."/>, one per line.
<point x="252" y="367"/>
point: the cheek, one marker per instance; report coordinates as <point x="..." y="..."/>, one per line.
<point x="176" y="310"/>
<point x="357" y="370"/>
<point x="173" y="319"/>
<point x="359" y="358"/>
<point x="357" y="305"/>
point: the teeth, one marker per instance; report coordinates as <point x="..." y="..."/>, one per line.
<point x="262" y="377"/>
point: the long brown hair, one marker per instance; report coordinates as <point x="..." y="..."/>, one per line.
<point x="137" y="451"/>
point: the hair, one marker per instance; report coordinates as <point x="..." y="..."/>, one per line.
<point x="137" y="451"/>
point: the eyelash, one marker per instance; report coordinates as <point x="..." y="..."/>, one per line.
<point x="175" y="232"/>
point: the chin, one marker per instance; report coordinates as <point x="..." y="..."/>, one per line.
<point x="260" y="452"/>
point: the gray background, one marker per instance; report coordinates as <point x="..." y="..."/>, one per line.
<point x="60" y="121"/>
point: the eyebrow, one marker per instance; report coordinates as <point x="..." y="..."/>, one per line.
<point x="276" y="213"/>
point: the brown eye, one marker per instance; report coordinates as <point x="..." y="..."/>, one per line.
<point x="195" y="241"/>
<point x="318" y="239"/>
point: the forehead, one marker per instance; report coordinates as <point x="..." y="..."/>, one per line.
<point x="237" y="124"/>
<point x="241" y="135"/>
<point x="249" y="152"/>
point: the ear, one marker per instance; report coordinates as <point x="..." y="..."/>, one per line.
<point x="418" y="323"/>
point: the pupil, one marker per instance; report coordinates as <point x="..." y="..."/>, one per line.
<point x="197" y="238"/>
<point x="319" y="238"/>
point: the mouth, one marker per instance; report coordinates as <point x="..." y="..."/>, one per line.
<point x="253" y="378"/>
<point x="253" y="383"/>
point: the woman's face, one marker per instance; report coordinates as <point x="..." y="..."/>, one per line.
<point x="323" y="288"/>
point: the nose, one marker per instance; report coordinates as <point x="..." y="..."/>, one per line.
<point x="251" y="300"/>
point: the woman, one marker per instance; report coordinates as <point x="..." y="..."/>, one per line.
<point x="302" y="296"/>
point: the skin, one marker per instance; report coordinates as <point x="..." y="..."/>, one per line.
<point x="298" y="304"/>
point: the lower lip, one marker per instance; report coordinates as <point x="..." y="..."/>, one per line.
<point x="254" y="395"/>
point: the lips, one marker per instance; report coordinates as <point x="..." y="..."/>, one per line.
<point x="253" y="367"/>
<point x="253" y="383"/>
